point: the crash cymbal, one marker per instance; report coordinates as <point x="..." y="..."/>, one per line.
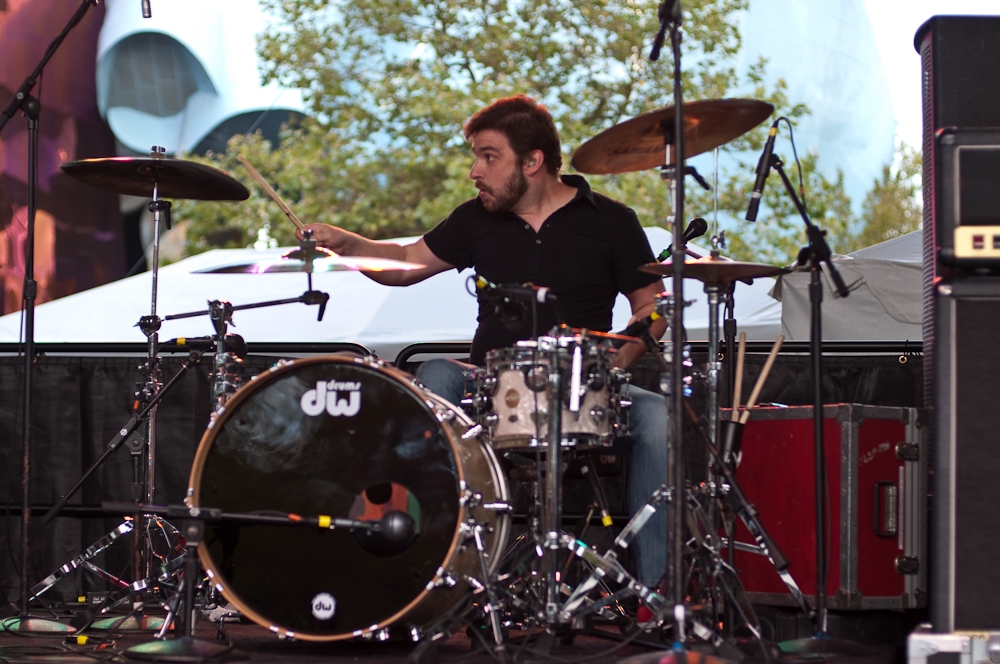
<point x="640" y="144"/>
<point x="716" y="270"/>
<point x="175" y="178"/>
<point x="324" y="261"/>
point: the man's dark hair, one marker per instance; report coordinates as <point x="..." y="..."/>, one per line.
<point x="527" y="125"/>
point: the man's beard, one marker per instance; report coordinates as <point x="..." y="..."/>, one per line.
<point x="509" y="194"/>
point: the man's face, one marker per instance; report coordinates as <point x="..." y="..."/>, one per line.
<point x="497" y="171"/>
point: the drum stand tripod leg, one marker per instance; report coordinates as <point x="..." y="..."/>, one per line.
<point x="185" y="648"/>
<point x="493" y="605"/>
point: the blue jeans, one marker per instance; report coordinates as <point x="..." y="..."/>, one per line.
<point x="647" y="460"/>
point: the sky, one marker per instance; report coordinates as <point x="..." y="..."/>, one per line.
<point x="895" y="22"/>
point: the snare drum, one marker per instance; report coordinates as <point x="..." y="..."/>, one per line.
<point x="346" y="437"/>
<point x="515" y="389"/>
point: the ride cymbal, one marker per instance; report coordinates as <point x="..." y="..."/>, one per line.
<point x="716" y="270"/>
<point x="174" y="178"/>
<point x="640" y="144"/>
<point x="323" y="260"/>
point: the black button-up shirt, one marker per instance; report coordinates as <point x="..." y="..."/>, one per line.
<point x="587" y="252"/>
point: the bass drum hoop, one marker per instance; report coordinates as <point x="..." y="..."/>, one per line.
<point x="403" y="379"/>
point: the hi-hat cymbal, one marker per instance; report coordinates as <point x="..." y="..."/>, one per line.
<point x="640" y="144"/>
<point x="174" y="178"/>
<point x="323" y="261"/>
<point x="716" y="270"/>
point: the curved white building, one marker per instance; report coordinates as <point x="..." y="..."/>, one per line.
<point x="188" y="77"/>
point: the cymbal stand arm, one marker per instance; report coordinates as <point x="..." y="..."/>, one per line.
<point x="310" y="297"/>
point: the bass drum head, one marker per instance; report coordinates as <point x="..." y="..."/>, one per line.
<point x="337" y="437"/>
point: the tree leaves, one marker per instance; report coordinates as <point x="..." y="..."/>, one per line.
<point x="389" y="84"/>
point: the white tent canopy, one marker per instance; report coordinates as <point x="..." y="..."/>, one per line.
<point x="885" y="302"/>
<point x="382" y="318"/>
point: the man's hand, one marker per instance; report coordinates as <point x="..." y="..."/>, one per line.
<point x="347" y="243"/>
<point x="333" y="238"/>
<point x="643" y="301"/>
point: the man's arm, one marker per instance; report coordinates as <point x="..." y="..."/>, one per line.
<point x="347" y="243"/>
<point x="643" y="301"/>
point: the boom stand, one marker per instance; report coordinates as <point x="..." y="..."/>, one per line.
<point x="817" y="253"/>
<point x="23" y="100"/>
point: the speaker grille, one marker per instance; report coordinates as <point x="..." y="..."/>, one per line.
<point x="976" y="378"/>
<point x="929" y="231"/>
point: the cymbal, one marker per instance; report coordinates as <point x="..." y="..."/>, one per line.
<point x="640" y="144"/>
<point x="717" y="270"/>
<point x="175" y="178"/>
<point x="323" y="261"/>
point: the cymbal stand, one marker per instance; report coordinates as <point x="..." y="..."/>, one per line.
<point x="144" y="449"/>
<point x="671" y="15"/>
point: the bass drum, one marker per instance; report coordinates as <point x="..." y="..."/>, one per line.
<point x="346" y="437"/>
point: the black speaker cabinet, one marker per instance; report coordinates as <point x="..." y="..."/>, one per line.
<point x="965" y="520"/>
<point x="960" y="90"/>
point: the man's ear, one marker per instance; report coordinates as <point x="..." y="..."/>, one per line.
<point x="533" y="161"/>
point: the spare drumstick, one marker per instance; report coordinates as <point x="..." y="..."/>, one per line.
<point x="752" y="401"/>
<point x="738" y="387"/>
<point x="270" y="192"/>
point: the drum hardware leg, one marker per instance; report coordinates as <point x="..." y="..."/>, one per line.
<point x="184" y="648"/>
<point x="63" y="570"/>
<point x="739" y="504"/>
<point x="492" y="605"/>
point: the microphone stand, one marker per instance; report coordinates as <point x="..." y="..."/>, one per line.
<point x="30" y="106"/>
<point x="675" y="405"/>
<point x="817" y="253"/>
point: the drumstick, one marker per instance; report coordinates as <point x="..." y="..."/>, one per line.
<point x="760" y="379"/>
<point x="270" y="192"/>
<point x="738" y="387"/>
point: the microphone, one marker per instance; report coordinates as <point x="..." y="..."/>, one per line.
<point x="763" y="168"/>
<point x="147" y="11"/>
<point x="669" y="12"/>
<point x="396" y="526"/>
<point x="235" y="344"/>
<point x="696" y="228"/>
<point x="636" y="329"/>
<point x="521" y="292"/>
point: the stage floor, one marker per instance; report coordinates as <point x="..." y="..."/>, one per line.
<point x="256" y="644"/>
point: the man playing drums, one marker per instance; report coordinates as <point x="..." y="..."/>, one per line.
<point x="531" y="224"/>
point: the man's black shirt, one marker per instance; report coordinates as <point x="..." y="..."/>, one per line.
<point x="587" y="252"/>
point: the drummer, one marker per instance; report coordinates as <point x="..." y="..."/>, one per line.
<point x="532" y="223"/>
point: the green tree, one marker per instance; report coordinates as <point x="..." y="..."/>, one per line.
<point x="389" y="84"/>
<point x="892" y="207"/>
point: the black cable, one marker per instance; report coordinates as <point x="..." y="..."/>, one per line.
<point x="798" y="165"/>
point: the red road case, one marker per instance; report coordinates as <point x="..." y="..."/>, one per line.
<point x="877" y="521"/>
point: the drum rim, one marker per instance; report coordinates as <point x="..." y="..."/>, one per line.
<point x="211" y="432"/>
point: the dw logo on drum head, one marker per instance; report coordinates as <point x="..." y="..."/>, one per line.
<point x="324" y="398"/>
<point x="324" y="606"/>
